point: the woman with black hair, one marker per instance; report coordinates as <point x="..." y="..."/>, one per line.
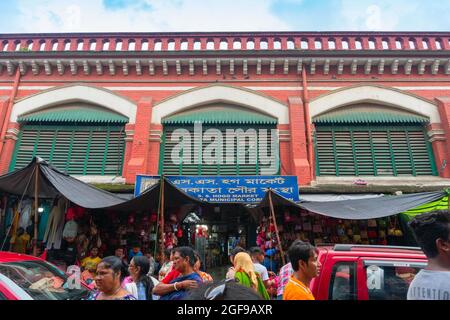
<point x="183" y="261"/>
<point x="110" y="273"/>
<point x="142" y="286"/>
<point x="198" y="267"/>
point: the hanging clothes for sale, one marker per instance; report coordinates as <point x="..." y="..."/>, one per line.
<point x="9" y="214"/>
<point x="15" y="222"/>
<point x="53" y="233"/>
<point x="70" y="229"/>
<point x="25" y="211"/>
<point x="43" y="219"/>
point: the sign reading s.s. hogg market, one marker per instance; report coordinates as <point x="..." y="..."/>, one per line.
<point x="229" y="189"/>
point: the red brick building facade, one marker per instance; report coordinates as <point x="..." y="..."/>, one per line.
<point x="346" y="104"/>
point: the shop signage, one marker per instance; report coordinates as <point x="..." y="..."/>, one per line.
<point x="229" y="189"/>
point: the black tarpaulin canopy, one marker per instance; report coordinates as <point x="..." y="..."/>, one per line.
<point x="149" y="199"/>
<point x="360" y="209"/>
<point x="52" y="182"/>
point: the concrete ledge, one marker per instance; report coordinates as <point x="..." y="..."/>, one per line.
<point x="386" y="185"/>
<point x="380" y="181"/>
<point x="115" y="188"/>
<point x="101" y="179"/>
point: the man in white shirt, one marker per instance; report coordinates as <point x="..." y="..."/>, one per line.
<point x="432" y="232"/>
<point x="257" y="255"/>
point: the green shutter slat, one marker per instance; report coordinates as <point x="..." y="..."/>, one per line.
<point x="241" y="168"/>
<point x="68" y="149"/>
<point x="373" y="150"/>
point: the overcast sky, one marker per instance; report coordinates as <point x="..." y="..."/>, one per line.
<point x="19" y="16"/>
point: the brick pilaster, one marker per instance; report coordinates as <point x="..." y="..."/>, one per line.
<point x="299" y="157"/>
<point x="137" y="162"/>
<point x="8" y="148"/>
<point x="440" y="146"/>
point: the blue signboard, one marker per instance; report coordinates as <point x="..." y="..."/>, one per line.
<point x="229" y="189"/>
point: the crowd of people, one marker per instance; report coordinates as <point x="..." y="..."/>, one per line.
<point x="180" y="275"/>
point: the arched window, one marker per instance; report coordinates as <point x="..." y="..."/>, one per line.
<point x="210" y="44"/>
<point x="358" y="44"/>
<point x="184" y="45"/>
<point x="385" y="44"/>
<point x="105" y="45"/>
<point x="304" y="44"/>
<point x="93" y="45"/>
<point x="425" y="44"/>
<point x="290" y="44"/>
<point x="171" y="45"/>
<point x="250" y="44"/>
<point x="80" y="44"/>
<point x="55" y="45"/>
<point x="412" y="45"/>
<point x="398" y="44"/>
<point x="30" y="45"/>
<point x="263" y="44"/>
<point x="144" y="45"/>
<point x="237" y="44"/>
<point x="331" y="44"/>
<point x="131" y="45"/>
<point x="158" y="45"/>
<point x="223" y="44"/>
<point x="119" y="45"/>
<point x="5" y="45"/>
<point x="17" y="48"/>
<point x="371" y="44"/>
<point x="277" y="44"/>
<point x="197" y="45"/>
<point x="318" y="44"/>
<point x="438" y="44"/>
<point x="67" y="45"/>
<point x="345" y="44"/>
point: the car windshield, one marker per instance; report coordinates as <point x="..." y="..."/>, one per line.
<point x="43" y="281"/>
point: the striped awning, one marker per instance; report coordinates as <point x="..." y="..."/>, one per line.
<point x="78" y="115"/>
<point x="219" y="116"/>
<point x="359" y="117"/>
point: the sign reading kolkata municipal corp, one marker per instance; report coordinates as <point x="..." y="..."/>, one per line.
<point x="226" y="189"/>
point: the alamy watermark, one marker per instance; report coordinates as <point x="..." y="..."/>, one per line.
<point x="213" y="147"/>
<point x="74" y="277"/>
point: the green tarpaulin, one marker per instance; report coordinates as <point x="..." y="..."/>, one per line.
<point x="441" y="204"/>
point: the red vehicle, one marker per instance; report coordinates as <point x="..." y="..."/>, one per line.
<point x="366" y="272"/>
<point x="24" y="277"/>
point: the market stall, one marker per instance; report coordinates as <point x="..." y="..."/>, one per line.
<point x="363" y="221"/>
<point x="69" y="217"/>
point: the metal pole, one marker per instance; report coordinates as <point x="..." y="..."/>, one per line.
<point x="276" y="226"/>
<point x="36" y="211"/>
<point x="308" y="124"/>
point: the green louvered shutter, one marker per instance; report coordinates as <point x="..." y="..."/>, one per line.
<point x="371" y="150"/>
<point x="241" y="168"/>
<point x="77" y="150"/>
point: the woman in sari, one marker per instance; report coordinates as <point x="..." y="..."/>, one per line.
<point x="110" y="273"/>
<point x="183" y="261"/>
<point x="198" y="266"/>
<point x="246" y="275"/>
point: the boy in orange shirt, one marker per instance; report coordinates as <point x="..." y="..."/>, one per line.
<point x="303" y="257"/>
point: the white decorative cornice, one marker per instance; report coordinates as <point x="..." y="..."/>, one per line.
<point x="235" y="66"/>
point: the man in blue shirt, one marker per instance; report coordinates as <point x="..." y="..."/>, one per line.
<point x="135" y="251"/>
